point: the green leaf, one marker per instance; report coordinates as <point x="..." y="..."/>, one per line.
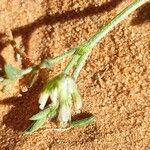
<point x="35" y="126"/>
<point x="41" y="114"/>
<point x="83" y="122"/>
<point x="12" y="73"/>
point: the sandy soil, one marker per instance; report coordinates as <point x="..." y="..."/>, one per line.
<point x="115" y="82"/>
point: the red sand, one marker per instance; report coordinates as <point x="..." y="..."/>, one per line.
<point x="115" y="82"/>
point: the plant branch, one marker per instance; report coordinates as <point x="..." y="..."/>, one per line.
<point x="71" y="63"/>
<point x="46" y="63"/>
<point x="103" y="31"/>
<point x="49" y="62"/>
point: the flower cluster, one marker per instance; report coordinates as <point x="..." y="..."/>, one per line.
<point x="63" y="93"/>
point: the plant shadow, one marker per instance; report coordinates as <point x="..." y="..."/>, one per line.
<point x="81" y="116"/>
<point x="27" y="30"/>
<point x="143" y="15"/>
<point x="23" y="108"/>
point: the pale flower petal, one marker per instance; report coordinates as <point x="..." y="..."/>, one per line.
<point x="78" y="105"/>
<point x="54" y="96"/>
<point x="63" y="92"/>
<point x="64" y="114"/>
<point x="70" y="85"/>
<point x="43" y="99"/>
<point x="77" y="100"/>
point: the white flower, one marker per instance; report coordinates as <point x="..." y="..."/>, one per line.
<point x="43" y="99"/>
<point x="64" y="114"/>
<point x="54" y="96"/>
<point x="63" y="92"/>
<point x="78" y="100"/>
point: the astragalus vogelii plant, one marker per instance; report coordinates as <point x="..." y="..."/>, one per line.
<point x="61" y="93"/>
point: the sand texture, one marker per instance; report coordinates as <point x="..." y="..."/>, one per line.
<point x="114" y="83"/>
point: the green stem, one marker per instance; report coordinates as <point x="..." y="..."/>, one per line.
<point x="115" y="21"/>
<point x="80" y="64"/>
<point x="46" y="63"/>
<point x="27" y="70"/>
<point x="103" y="31"/>
<point x="71" y="63"/>
<point x="49" y="62"/>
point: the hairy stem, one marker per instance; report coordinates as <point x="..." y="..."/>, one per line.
<point x="49" y="62"/>
<point x="71" y="63"/>
<point x="46" y="63"/>
<point x="80" y="64"/>
<point x="103" y="31"/>
<point x="115" y="21"/>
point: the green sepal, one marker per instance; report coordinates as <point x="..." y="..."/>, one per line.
<point x="41" y="114"/>
<point x="53" y="111"/>
<point x="35" y="126"/>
